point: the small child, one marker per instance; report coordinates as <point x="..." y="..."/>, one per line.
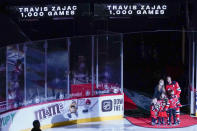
<point x="154" y="110"/>
<point x="162" y="109"/>
<point x="172" y="105"/>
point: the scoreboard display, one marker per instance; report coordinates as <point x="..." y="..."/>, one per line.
<point x="130" y="9"/>
<point x="96" y="9"/>
<point x="49" y="11"/>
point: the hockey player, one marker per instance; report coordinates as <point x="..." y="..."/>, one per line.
<point x="73" y="109"/>
<point x="154" y="108"/>
<point x="162" y="109"/>
<point x="87" y="105"/>
<point x="172" y="105"/>
<point x="174" y="86"/>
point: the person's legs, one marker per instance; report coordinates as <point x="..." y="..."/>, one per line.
<point x="162" y="120"/>
<point x="153" y="121"/>
<point x="178" y="115"/>
<point x="174" y="115"/>
<point x="169" y="118"/>
<point x="168" y="115"/>
<point x="159" y="120"/>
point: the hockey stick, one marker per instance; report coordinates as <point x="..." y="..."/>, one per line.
<point x="90" y="109"/>
<point x="93" y="105"/>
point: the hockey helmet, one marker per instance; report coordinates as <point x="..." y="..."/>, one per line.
<point x="88" y="102"/>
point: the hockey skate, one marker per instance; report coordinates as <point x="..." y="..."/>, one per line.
<point x="169" y="123"/>
<point x="178" y="122"/>
<point x="153" y="123"/>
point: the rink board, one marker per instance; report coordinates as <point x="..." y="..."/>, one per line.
<point x="64" y="112"/>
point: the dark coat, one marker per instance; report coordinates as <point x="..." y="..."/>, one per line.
<point x="35" y="129"/>
<point x="157" y="93"/>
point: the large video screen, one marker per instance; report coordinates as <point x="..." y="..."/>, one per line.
<point x="49" y="11"/>
<point x="96" y="9"/>
<point x="135" y="9"/>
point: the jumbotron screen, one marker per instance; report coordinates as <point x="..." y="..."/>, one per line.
<point x="135" y="9"/>
<point x="49" y="11"/>
<point x="123" y="9"/>
<point x="130" y="9"/>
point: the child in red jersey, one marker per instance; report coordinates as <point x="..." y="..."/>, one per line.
<point x="174" y="86"/>
<point x="162" y="108"/>
<point x="172" y="105"/>
<point x="154" y="110"/>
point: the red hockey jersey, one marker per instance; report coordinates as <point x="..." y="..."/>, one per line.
<point x="174" y="86"/>
<point x="162" y="108"/>
<point x="154" y="108"/>
<point x="173" y="102"/>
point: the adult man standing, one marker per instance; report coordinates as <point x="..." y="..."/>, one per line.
<point x="174" y="86"/>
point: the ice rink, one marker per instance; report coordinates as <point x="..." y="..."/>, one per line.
<point x="115" y="125"/>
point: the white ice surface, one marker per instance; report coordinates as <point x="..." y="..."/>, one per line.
<point x="115" y="125"/>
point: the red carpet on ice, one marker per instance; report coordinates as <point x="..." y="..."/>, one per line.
<point x="186" y="121"/>
<point x="128" y="103"/>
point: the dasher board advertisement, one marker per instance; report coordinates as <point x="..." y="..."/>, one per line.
<point x="64" y="112"/>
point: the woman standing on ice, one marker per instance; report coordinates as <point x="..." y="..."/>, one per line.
<point x="159" y="89"/>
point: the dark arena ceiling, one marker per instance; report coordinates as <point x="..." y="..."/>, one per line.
<point x="15" y="29"/>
